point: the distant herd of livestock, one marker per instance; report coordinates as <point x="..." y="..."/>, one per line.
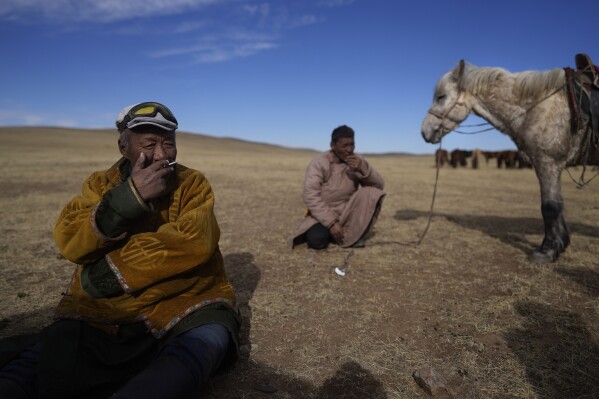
<point x="510" y="159"/>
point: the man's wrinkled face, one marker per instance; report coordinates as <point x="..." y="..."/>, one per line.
<point x="343" y="147"/>
<point x="157" y="144"/>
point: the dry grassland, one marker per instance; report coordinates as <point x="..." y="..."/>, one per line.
<point x="465" y="301"/>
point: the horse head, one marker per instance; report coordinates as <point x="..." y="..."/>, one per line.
<point x="448" y="109"/>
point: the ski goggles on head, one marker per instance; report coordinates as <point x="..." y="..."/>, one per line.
<point x="148" y="113"/>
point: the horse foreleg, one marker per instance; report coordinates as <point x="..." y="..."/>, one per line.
<point x="557" y="237"/>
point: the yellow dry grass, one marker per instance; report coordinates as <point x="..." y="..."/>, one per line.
<point x="465" y="301"/>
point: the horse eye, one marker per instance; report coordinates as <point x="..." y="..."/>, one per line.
<point x="441" y="97"/>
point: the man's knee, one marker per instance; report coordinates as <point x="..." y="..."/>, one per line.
<point x="318" y="237"/>
<point x="215" y="336"/>
<point x="201" y="349"/>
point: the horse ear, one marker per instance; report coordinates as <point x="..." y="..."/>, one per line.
<point x="458" y="72"/>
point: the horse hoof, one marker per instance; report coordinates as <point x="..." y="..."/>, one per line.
<point x="539" y="257"/>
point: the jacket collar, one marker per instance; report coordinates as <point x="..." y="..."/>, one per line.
<point x="333" y="158"/>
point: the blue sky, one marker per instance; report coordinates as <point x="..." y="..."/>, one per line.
<point x="281" y="72"/>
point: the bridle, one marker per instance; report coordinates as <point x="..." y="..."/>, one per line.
<point x="445" y="115"/>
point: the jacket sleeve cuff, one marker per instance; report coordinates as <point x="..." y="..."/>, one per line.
<point x="143" y="204"/>
<point x="119" y="210"/>
<point x="364" y="172"/>
<point x="99" y="281"/>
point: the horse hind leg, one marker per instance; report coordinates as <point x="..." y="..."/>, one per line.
<point x="557" y="236"/>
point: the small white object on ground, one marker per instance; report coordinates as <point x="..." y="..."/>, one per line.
<point x="340" y="272"/>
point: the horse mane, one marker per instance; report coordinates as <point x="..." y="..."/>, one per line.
<point x="481" y="80"/>
<point x="527" y="86"/>
<point x="532" y="85"/>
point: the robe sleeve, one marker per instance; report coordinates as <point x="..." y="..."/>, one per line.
<point x="76" y="235"/>
<point x="315" y="177"/>
<point x="368" y="176"/>
<point x="181" y="245"/>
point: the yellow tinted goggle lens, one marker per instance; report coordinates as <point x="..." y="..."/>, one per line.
<point x="145" y="111"/>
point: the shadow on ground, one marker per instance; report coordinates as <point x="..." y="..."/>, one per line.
<point x="244" y="276"/>
<point x="26" y="323"/>
<point x="558" y="351"/>
<point x="586" y="278"/>
<point x="254" y="380"/>
<point x="509" y="230"/>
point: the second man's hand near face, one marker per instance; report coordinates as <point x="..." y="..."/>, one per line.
<point x="353" y="162"/>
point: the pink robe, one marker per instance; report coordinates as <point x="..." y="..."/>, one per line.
<point x="333" y="192"/>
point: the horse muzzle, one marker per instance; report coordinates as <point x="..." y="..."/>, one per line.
<point x="432" y="131"/>
<point x="433" y="137"/>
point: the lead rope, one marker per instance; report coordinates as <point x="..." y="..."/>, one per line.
<point x="581" y="183"/>
<point x="430" y="214"/>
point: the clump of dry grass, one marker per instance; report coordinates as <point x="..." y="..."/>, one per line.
<point x="465" y="301"/>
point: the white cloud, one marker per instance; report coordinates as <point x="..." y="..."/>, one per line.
<point x="220" y="46"/>
<point x="212" y="50"/>
<point x="305" y="20"/>
<point x="335" y="3"/>
<point x="257" y="9"/>
<point x="17" y="117"/>
<point x="240" y="28"/>
<point x="20" y="118"/>
<point x="193" y="49"/>
<point x="225" y="53"/>
<point x="190" y="26"/>
<point x="97" y="10"/>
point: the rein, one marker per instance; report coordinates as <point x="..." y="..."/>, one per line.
<point x="430" y="215"/>
<point x="581" y="183"/>
<point x="445" y="115"/>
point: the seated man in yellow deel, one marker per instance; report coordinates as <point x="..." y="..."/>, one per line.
<point x="149" y="312"/>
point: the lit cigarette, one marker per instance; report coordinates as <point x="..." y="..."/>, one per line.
<point x="173" y="163"/>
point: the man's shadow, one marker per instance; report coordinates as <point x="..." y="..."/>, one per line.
<point x="255" y="380"/>
<point x="558" y="351"/>
<point x="509" y="230"/>
<point x="244" y="276"/>
<point x="361" y="384"/>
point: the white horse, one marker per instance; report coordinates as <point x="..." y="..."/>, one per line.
<point x="530" y="107"/>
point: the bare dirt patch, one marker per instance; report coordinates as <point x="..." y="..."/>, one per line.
<point x="466" y="301"/>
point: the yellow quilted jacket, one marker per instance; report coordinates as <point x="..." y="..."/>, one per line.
<point x="168" y="267"/>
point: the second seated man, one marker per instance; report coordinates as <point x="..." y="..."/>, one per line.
<point x="343" y="194"/>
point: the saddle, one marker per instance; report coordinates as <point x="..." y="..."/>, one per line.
<point x="583" y="96"/>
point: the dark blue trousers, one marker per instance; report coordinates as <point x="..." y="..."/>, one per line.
<point x="179" y="371"/>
